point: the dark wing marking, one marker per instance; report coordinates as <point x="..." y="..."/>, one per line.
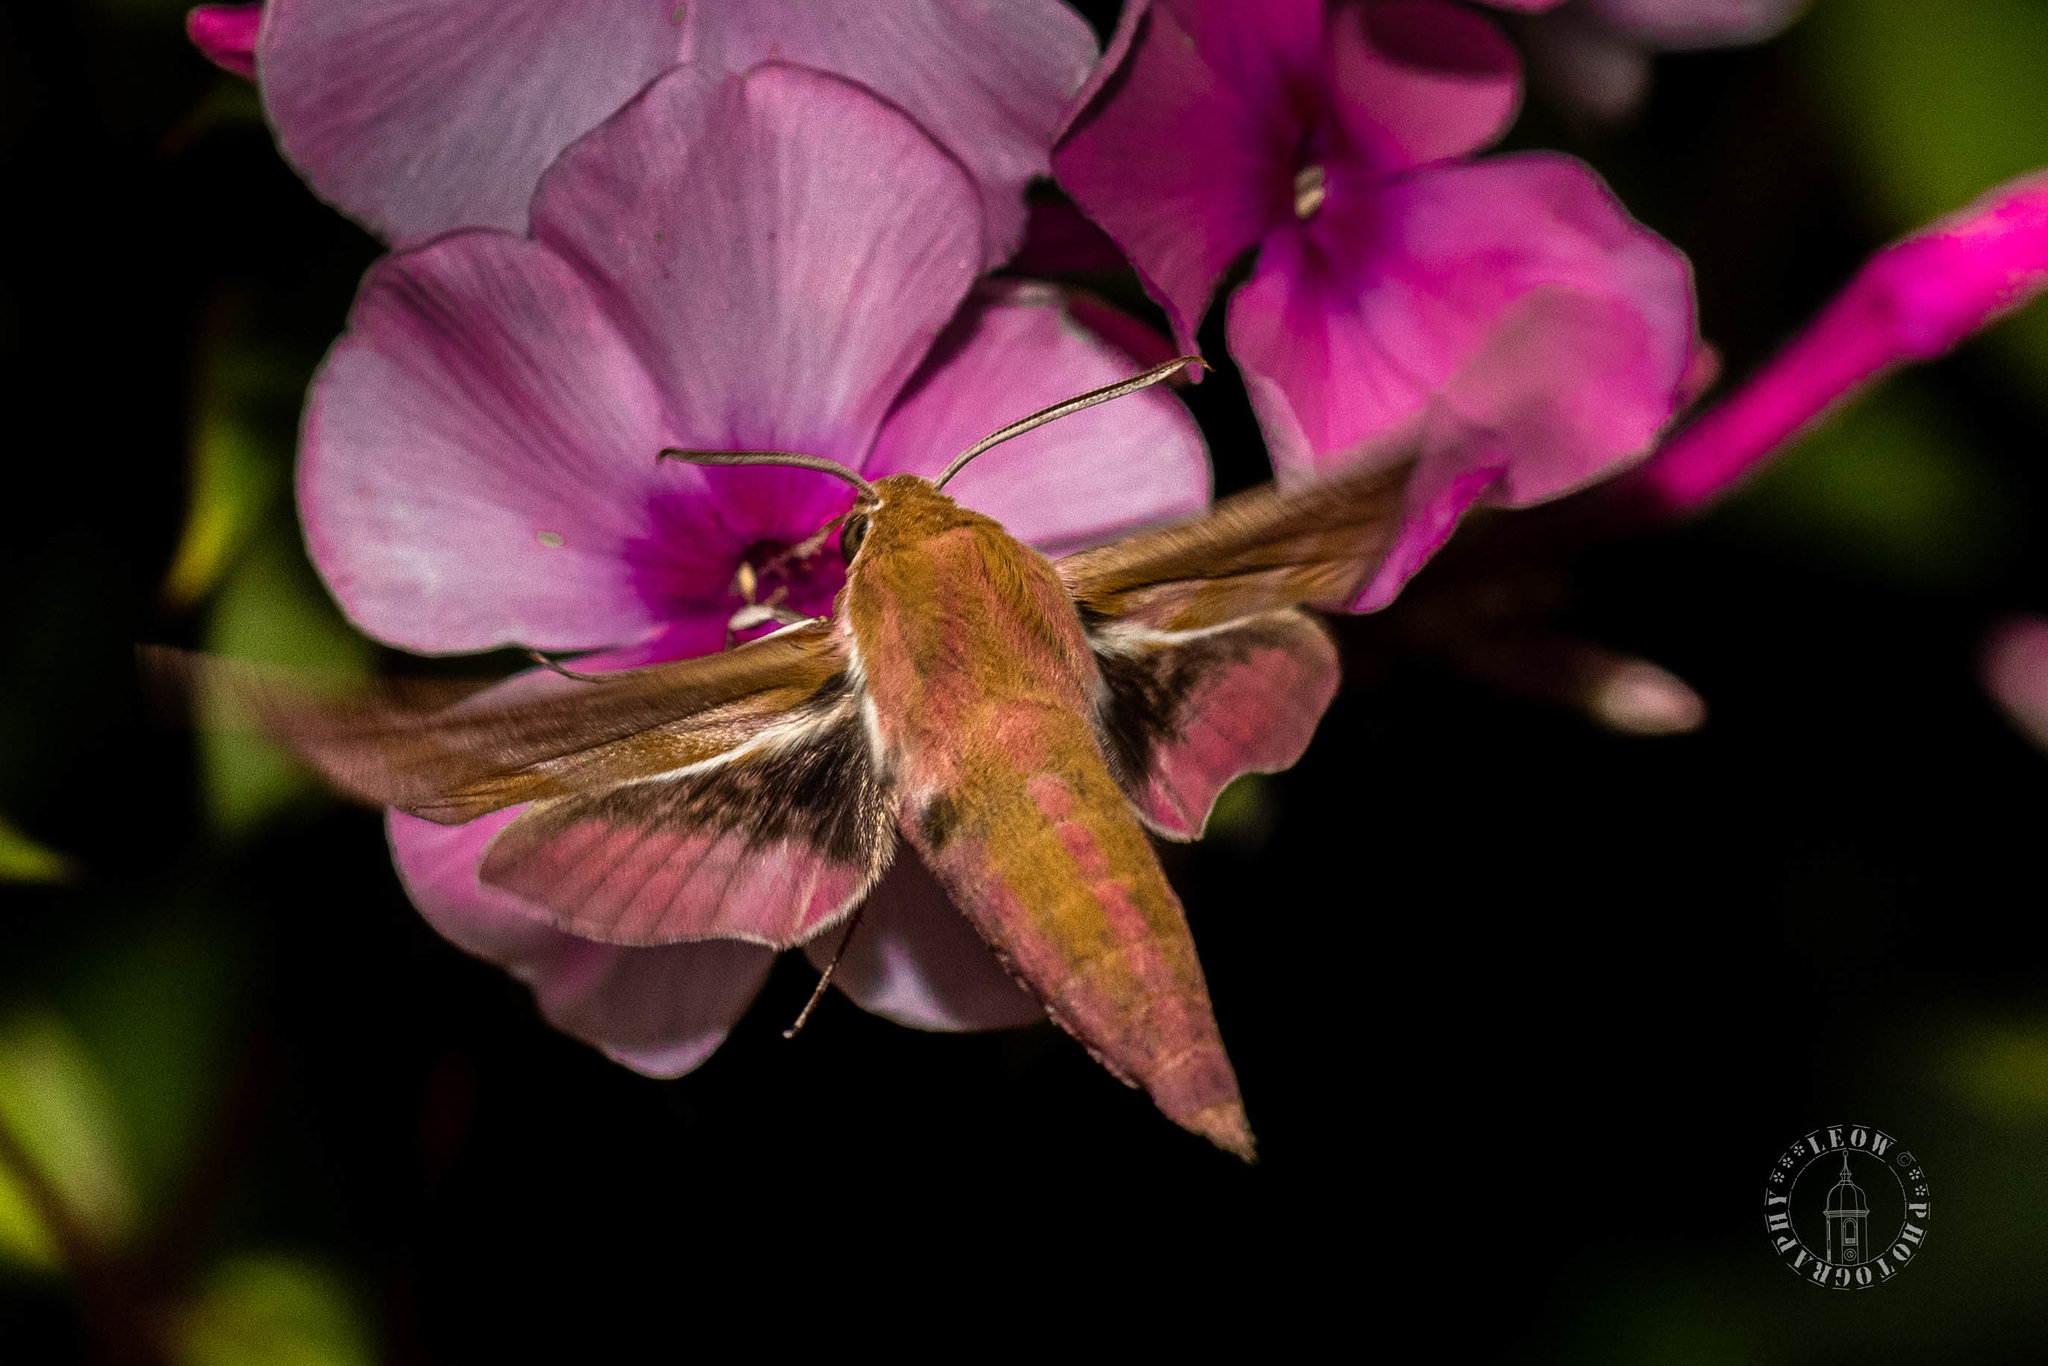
<point x="1253" y="553"/>
<point x="1180" y="716"/>
<point x="771" y="841"/>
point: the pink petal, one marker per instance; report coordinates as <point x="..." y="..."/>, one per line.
<point x="660" y="1011"/>
<point x="416" y="116"/>
<point x="1506" y="321"/>
<point x="780" y="249"/>
<point x="1912" y="301"/>
<point x="1524" y="6"/>
<point x="990" y="82"/>
<point x="477" y="466"/>
<point x="226" y="34"/>
<point x="914" y="959"/>
<point x="2014" y="667"/>
<point x="1426" y="77"/>
<point x="1189" y="154"/>
<point x="1087" y="478"/>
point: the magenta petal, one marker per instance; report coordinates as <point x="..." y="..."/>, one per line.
<point x="1136" y="461"/>
<point x="661" y="1011"/>
<point x="226" y="34"/>
<point x="914" y="959"/>
<point x="1524" y="6"/>
<point x="1189" y="154"/>
<point x="781" y="249"/>
<point x="990" y="82"/>
<point x="416" y="116"/>
<point x="477" y="466"/>
<point x="1426" y="77"/>
<point x="1912" y="301"/>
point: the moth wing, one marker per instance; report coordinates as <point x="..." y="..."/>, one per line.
<point x="1181" y="717"/>
<point x="1209" y="668"/>
<point x="728" y="796"/>
<point x="1256" y="552"/>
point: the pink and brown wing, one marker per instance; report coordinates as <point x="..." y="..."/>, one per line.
<point x="730" y="796"/>
<point x="1210" y="670"/>
<point x="1181" y="717"/>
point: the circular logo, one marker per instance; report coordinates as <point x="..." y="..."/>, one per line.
<point x="1846" y="1207"/>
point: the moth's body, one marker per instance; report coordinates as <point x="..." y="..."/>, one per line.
<point x="984" y="683"/>
<point x="1020" y="724"/>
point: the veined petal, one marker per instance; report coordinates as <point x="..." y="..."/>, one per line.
<point x="988" y="81"/>
<point x="661" y="1011"/>
<point x="478" y="463"/>
<point x="1084" y="479"/>
<point x="781" y="249"/>
<point x="1506" y="321"/>
<point x="914" y="959"/>
<point x="417" y="116"/>
<point x="1187" y="155"/>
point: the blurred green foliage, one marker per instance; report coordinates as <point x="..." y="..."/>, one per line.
<point x="58" y="1107"/>
<point x="267" y="1309"/>
<point x="1892" y="488"/>
<point x="24" y="860"/>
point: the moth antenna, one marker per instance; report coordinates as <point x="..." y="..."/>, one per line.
<point x="546" y="663"/>
<point x="1072" y="405"/>
<point x="818" y="992"/>
<point x="796" y="459"/>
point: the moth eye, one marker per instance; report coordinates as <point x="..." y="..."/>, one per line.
<point x="852" y="534"/>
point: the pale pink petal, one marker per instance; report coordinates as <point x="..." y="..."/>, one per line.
<point x="477" y="466"/>
<point x="989" y="81"/>
<point x="1189" y="152"/>
<point x="914" y="959"/>
<point x="1506" y="321"/>
<point x="1912" y="301"/>
<point x="1085" y="479"/>
<point x="226" y="34"/>
<point x="1680" y="24"/>
<point x="661" y="1011"/>
<point x="2014" y="667"/>
<point x="416" y="116"/>
<point x="781" y="249"/>
<point x="1598" y="71"/>
<point x="1423" y="76"/>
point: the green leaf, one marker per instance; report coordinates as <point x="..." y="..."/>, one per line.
<point x="271" y="609"/>
<point x="270" y="1309"/>
<point x="57" y="1106"/>
<point x="23" y="860"/>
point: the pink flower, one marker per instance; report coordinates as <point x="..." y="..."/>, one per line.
<point x="416" y="116"/>
<point x="1912" y="301"/>
<point x="771" y="261"/>
<point x="1504" y="318"/>
<point x="227" y="35"/>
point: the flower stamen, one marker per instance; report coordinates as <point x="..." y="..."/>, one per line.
<point x="1310" y="188"/>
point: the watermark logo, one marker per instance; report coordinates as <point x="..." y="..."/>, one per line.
<point x="1847" y="1207"/>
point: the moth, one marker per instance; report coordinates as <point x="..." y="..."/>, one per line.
<point x="1024" y="724"/>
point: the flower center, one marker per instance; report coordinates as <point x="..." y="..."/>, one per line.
<point x="778" y="583"/>
<point x="1309" y="189"/>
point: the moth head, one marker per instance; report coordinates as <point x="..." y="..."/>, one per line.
<point x="910" y="499"/>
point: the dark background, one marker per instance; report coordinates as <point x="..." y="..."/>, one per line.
<point x="1523" y="1010"/>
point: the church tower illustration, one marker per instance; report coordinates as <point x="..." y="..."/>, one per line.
<point x="1848" y="1220"/>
